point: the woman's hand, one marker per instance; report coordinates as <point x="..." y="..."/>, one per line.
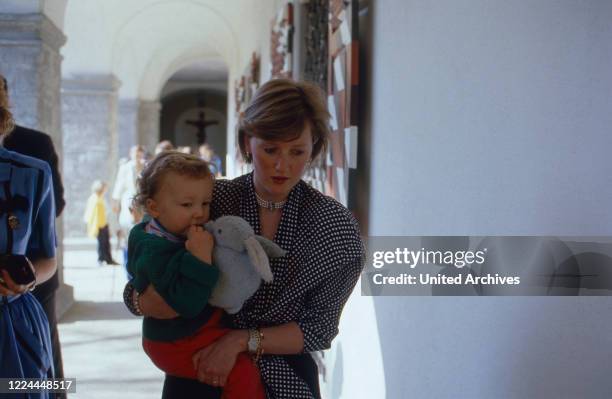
<point x="214" y="363"/>
<point x="9" y="287"/>
<point x="44" y="268"/>
<point x="153" y="305"/>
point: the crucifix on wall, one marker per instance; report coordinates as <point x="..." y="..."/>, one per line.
<point x="201" y="124"/>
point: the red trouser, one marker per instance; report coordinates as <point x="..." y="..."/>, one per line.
<point x="175" y="358"/>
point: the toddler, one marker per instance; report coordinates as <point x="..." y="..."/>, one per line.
<point x="173" y="252"/>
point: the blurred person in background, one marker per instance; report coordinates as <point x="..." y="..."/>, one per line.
<point x="124" y="192"/>
<point x="97" y="226"/>
<point x="214" y="162"/>
<point x="164" y="145"/>
<point x="185" y="149"/>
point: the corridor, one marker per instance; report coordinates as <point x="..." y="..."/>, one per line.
<point x="101" y="340"/>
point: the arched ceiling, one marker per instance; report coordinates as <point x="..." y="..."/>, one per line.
<point x="144" y="42"/>
<point x="163" y="65"/>
<point x="215" y="70"/>
<point x="201" y="72"/>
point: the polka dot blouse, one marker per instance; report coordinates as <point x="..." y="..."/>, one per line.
<point x="325" y="257"/>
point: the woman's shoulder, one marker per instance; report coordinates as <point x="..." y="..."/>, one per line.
<point x="230" y="186"/>
<point x="33" y="167"/>
<point x="24" y="161"/>
<point x="328" y="218"/>
<point x="323" y="206"/>
<point x="227" y="195"/>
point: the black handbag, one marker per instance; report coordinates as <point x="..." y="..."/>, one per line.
<point x="19" y="268"/>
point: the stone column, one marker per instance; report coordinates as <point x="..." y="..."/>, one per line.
<point x="128" y="125"/>
<point x="31" y="62"/>
<point x="148" y="124"/>
<point x="89" y="108"/>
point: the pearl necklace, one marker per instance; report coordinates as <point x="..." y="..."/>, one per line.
<point x="270" y="205"/>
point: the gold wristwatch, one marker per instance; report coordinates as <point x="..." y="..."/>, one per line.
<point x="254" y="344"/>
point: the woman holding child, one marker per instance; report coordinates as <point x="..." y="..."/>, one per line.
<point x="282" y="131"/>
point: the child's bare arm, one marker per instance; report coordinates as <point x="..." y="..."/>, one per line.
<point x="200" y="243"/>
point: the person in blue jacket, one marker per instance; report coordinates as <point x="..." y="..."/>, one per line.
<point x="40" y="146"/>
<point x="27" y="227"/>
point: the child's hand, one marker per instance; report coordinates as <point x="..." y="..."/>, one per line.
<point x="200" y="243"/>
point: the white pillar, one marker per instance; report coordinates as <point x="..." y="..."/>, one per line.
<point x="148" y="124"/>
<point x="128" y="125"/>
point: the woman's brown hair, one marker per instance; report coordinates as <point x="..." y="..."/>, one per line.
<point x="281" y="110"/>
<point x="6" y="118"/>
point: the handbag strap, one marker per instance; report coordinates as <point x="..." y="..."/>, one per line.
<point x="9" y="230"/>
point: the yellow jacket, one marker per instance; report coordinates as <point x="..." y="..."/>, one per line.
<point x="95" y="215"/>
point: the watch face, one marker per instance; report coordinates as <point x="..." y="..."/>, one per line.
<point x="253" y="341"/>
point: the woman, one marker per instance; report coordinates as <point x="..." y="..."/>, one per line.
<point x="282" y="131"/>
<point x="27" y="227"/>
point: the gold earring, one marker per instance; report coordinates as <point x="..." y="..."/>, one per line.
<point x="247" y="157"/>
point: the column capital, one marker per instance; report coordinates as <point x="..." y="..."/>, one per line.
<point x="150" y="105"/>
<point x="102" y="84"/>
<point x="30" y="29"/>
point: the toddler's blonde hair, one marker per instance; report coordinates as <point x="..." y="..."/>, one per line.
<point x="165" y="162"/>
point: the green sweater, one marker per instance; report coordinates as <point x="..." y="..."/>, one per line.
<point x="184" y="281"/>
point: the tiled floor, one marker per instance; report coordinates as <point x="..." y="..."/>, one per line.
<point x="101" y="340"/>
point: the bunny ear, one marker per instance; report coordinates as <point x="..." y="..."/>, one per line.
<point x="259" y="258"/>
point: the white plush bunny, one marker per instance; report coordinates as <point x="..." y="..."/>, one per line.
<point x="242" y="259"/>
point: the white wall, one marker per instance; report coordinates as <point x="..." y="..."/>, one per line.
<point x="255" y="38"/>
<point x="492" y="117"/>
<point x="503" y="107"/>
